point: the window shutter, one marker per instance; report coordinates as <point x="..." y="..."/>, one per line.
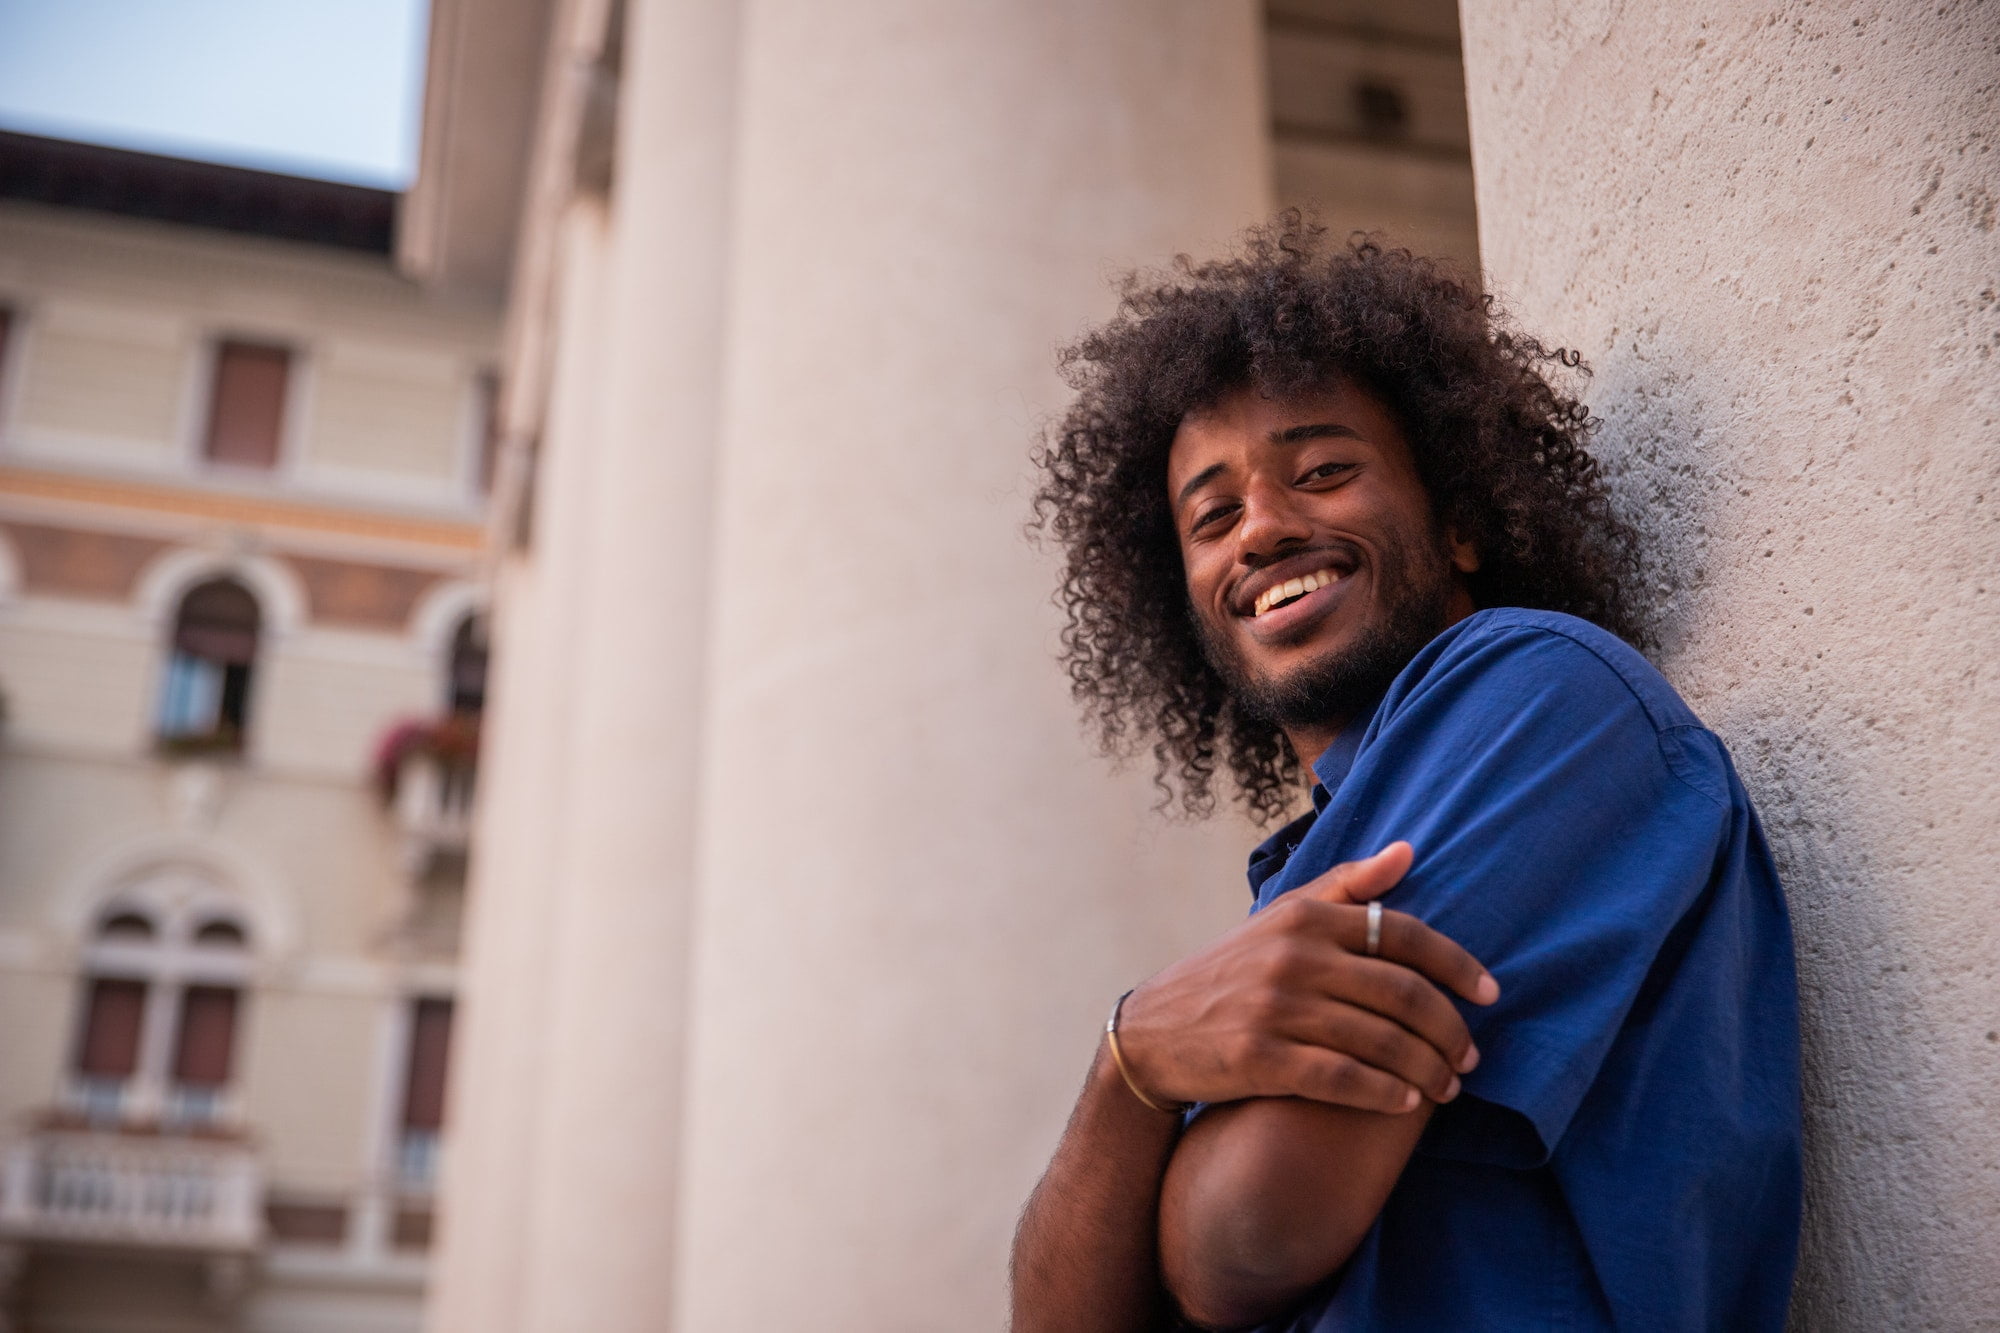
<point x="246" y="413"/>
<point x="430" y="1042"/>
<point x="111" y="1029"/>
<point x="208" y="1036"/>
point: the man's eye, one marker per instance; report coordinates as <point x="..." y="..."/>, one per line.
<point x="1209" y="517"/>
<point x="1327" y="470"/>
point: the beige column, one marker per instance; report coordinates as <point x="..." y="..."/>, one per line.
<point x="1771" y="228"/>
<point x="499" y="1050"/>
<point x="601" y="1233"/>
<point x="919" y="889"/>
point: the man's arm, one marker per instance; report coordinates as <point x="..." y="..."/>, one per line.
<point x="1561" y="843"/>
<point x="1285" y="1005"/>
<point x="1084" y="1256"/>
<point x="1265" y="1198"/>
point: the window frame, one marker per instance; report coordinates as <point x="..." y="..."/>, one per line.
<point x="219" y="739"/>
<point x="169" y="966"/>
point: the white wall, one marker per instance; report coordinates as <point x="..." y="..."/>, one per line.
<point x="1771" y="227"/>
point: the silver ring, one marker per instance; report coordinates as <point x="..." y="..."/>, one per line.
<point x="1374" y="945"/>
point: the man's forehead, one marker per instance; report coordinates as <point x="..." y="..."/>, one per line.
<point x="1248" y="415"/>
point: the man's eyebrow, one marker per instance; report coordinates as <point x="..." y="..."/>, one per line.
<point x="1199" y="480"/>
<point x="1319" y="430"/>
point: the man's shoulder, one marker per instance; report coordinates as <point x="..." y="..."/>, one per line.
<point x="1518" y="657"/>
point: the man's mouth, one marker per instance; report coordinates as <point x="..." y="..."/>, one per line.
<point x="1284" y="594"/>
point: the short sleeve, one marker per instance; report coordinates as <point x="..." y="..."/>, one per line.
<point x="1558" y="838"/>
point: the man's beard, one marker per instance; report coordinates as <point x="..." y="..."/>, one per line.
<point x="1416" y="601"/>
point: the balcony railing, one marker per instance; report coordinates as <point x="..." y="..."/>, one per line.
<point x="105" y="1188"/>
<point x="433" y="808"/>
<point x="105" y="1103"/>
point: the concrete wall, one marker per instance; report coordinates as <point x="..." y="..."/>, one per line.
<point x="1772" y="230"/>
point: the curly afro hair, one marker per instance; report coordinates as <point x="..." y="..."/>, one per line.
<point x="1499" y="447"/>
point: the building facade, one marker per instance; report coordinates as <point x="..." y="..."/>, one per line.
<point x="244" y="465"/>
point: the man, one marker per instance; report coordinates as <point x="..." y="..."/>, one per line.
<point x="1323" y="513"/>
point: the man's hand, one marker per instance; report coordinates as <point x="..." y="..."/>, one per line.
<point x="1290" y="1004"/>
<point x="1286" y="1004"/>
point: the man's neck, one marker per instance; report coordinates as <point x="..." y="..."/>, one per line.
<point x="1311" y="741"/>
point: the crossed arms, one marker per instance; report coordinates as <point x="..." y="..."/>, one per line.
<point x="1321" y="1065"/>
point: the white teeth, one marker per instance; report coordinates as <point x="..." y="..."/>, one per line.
<point x="1290" y="588"/>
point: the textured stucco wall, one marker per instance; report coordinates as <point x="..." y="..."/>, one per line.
<point x="1771" y="228"/>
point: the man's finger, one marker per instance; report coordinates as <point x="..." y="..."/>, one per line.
<point x="1359" y="881"/>
<point x="1387" y="1046"/>
<point x="1327" y="1076"/>
<point x="1410" y="942"/>
<point x="1404" y="996"/>
<point x="1404" y="940"/>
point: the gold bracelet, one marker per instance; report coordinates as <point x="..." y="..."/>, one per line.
<point x="1118" y="1058"/>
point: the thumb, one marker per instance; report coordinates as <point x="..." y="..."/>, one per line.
<point x="1359" y="881"/>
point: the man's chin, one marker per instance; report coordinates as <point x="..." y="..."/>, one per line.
<point x="1329" y="687"/>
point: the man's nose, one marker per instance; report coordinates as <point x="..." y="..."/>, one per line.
<point x="1271" y="525"/>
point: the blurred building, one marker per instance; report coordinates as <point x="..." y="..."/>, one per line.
<point x="246" y="428"/>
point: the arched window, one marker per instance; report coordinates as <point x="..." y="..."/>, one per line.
<point x="466" y="684"/>
<point x="221" y="933"/>
<point x="127" y="926"/>
<point x="205" y="699"/>
<point x="161" y="1004"/>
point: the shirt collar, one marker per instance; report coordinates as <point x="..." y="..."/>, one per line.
<point x="1332" y="767"/>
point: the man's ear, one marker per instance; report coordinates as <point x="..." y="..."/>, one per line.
<point x="1464" y="555"/>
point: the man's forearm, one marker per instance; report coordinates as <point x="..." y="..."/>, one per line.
<point x="1264" y="1199"/>
<point x="1086" y="1256"/>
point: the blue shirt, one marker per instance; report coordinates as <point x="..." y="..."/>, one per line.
<point x="1626" y="1155"/>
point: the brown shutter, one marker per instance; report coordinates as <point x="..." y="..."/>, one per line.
<point x="208" y="1036"/>
<point x="430" y="1042"/>
<point x="110" y="1046"/>
<point x="246" y="414"/>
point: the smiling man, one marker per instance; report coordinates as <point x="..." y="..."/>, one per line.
<point x="1332" y="529"/>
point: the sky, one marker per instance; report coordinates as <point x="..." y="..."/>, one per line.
<point x="325" y="88"/>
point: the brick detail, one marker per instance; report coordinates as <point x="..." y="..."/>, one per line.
<point x="363" y="596"/>
<point x="75" y="562"/>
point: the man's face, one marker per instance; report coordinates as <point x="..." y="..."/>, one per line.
<point x="1313" y="562"/>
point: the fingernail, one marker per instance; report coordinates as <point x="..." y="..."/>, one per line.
<point x="1410" y="1100"/>
<point x="1451" y="1088"/>
<point x="1488" y="990"/>
<point x="1469" y="1061"/>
